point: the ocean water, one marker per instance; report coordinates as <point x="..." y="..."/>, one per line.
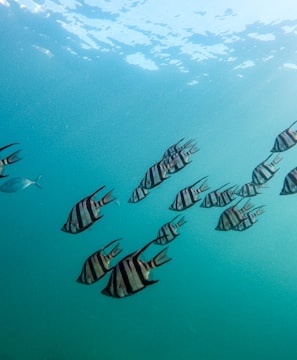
<point x="97" y="104"/>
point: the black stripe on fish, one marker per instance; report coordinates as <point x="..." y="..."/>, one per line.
<point x="138" y="194"/>
<point x="97" y="264"/>
<point x="85" y="213"/>
<point x="290" y="183"/>
<point x="130" y="275"/>
<point x="248" y="190"/>
<point x="285" y="140"/>
<point x="262" y="174"/>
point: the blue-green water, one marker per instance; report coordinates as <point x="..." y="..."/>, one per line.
<point x="92" y="118"/>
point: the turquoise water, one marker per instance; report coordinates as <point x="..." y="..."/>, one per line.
<point x="83" y="123"/>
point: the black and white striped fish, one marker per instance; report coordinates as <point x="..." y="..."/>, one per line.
<point x="265" y="171"/>
<point x="285" y="140"/>
<point x="290" y="183"/>
<point x="138" y="194"/>
<point x="12" y="158"/>
<point x="227" y="196"/>
<point x="175" y="148"/>
<point x="169" y="231"/>
<point x="249" y="219"/>
<point x="182" y="159"/>
<point x="188" y="196"/>
<point x="157" y="174"/>
<point x="232" y="216"/>
<point x="211" y="199"/>
<point x="249" y="189"/>
<point x="131" y="274"/>
<point x="98" y="264"/>
<point x="86" y="212"/>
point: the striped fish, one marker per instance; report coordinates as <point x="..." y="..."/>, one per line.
<point x="211" y="199"/>
<point x="86" y="212"/>
<point x="131" y="274"/>
<point x="290" y="183"/>
<point x="249" y="189"/>
<point x="227" y="196"/>
<point x="157" y="174"/>
<point x="249" y="219"/>
<point x="9" y="159"/>
<point x="188" y="196"/>
<point x="138" y="194"/>
<point x="285" y="140"/>
<point x="183" y="159"/>
<point x="265" y="171"/>
<point x="98" y="264"/>
<point x="169" y="231"/>
<point x="174" y="149"/>
<point x="232" y="216"/>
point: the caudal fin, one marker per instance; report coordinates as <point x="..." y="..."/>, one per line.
<point x="108" y="198"/>
<point x="12" y="158"/>
<point x="160" y="258"/>
<point x="36" y="182"/>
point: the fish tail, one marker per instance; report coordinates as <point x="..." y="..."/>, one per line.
<point x="36" y="182"/>
<point x="115" y="251"/>
<point x="277" y="159"/>
<point x="12" y="158"/>
<point x="7" y="146"/>
<point x="182" y="221"/>
<point x="247" y="206"/>
<point x="260" y="210"/>
<point x="189" y="144"/>
<point x="203" y="187"/>
<point x="160" y="258"/>
<point x="172" y="163"/>
<point x="193" y="149"/>
<point x="108" y="198"/>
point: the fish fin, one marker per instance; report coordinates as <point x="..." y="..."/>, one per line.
<point x="182" y="221"/>
<point x="189" y="143"/>
<point x="247" y="206"/>
<point x="7" y="146"/>
<point x="292" y="125"/>
<point x="36" y="182"/>
<point x="277" y="159"/>
<point x="13" y="157"/>
<point x="115" y="251"/>
<point x="195" y="183"/>
<point x="203" y="187"/>
<point x="161" y="258"/>
<point x="193" y="149"/>
<point x="95" y="192"/>
<point x="107" y="198"/>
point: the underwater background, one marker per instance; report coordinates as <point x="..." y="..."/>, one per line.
<point x="87" y="115"/>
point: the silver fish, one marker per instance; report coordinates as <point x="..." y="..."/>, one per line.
<point x="18" y="183"/>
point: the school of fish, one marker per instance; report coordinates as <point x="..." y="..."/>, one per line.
<point x="131" y="274"/>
